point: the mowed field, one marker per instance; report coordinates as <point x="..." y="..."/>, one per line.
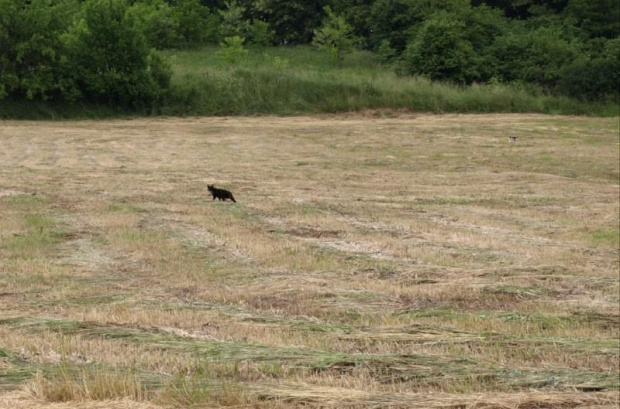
<point x="414" y="261"/>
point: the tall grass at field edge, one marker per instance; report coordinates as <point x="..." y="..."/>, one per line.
<point x="301" y="80"/>
<point x="284" y="92"/>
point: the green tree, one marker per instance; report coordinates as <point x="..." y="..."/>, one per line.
<point x="293" y="21"/>
<point x="393" y="21"/>
<point x="196" y="24"/>
<point x="524" y="9"/>
<point x="483" y="25"/>
<point x="593" y="78"/>
<point x="599" y="18"/>
<point x="440" y="52"/>
<point x="233" y="22"/>
<point x="261" y="33"/>
<point x="335" y="36"/>
<point x="31" y="49"/>
<point x="398" y="20"/>
<point x="110" y="60"/>
<point x="358" y="14"/>
<point x="385" y="52"/>
<point x="158" y="21"/>
<point x="534" y="56"/>
<point x="231" y="49"/>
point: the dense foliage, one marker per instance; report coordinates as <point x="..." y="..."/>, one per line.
<point x="104" y="51"/>
<point x="65" y="50"/>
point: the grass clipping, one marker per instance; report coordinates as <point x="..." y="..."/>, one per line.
<point x="87" y="384"/>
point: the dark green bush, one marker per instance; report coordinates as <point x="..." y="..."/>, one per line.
<point x="31" y="48"/>
<point x="293" y="21"/>
<point x="441" y="52"/>
<point x="598" y="18"/>
<point x="196" y="24"/>
<point x="158" y="21"/>
<point x="534" y="56"/>
<point x="593" y="78"/>
<point x="69" y="51"/>
<point x="109" y="59"/>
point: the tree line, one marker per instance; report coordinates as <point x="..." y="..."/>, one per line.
<point x="105" y="51"/>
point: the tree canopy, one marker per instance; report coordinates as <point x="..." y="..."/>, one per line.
<point x="104" y="50"/>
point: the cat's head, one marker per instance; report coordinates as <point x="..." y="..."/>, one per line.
<point x="210" y="187"/>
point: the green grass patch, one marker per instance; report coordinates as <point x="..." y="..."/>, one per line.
<point x="199" y="389"/>
<point x="125" y="207"/>
<point x="38" y="222"/>
<point x="5" y="353"/>
<point x="605" y="238"/>
<point x="25" y="202"/>
<point x="17" y="372"/>
<point x="518" y="291"/>
<point x="40" y="235"/>
<point x="93" y="300"/>
<point x="13" y="378"/>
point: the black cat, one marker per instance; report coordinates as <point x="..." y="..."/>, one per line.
<point x="220" y="194"/>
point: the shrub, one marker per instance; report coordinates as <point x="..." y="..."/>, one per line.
<point x="440" y="52"/>
<point x="110" y="60"/>
<point x="598" y="18"/>
<point x="196" y="24"/>
<point x="293" y="21"/>
<point x="31" y="49"/>
<point x="261" y="34"/>
<point x="231" y="49"/>
<point x="158" y="21"/>
<point x="233" y="22"/>
<point x="534" y="56"/>
<point x="335" y="36"/>
<point x="385" y="52"/>
<point x="593" y="78"/>
<point x="398" y="20"/>
<point x="394" y="21"/>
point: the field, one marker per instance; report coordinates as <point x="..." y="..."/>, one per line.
<point x="373" y="260"/>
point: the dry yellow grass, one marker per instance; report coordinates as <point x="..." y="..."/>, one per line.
<point x="406" y="261"/>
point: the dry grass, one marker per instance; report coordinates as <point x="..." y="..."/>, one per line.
<point x="371" y="261"/>
<point x="92" y="384"/>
